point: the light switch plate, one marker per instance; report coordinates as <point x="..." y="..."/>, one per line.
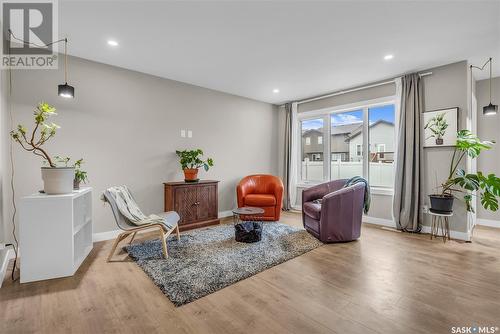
<point x="190" y="134"/>
<point x="183" y="133"/>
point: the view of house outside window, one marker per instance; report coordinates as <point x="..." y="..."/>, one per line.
<point x="382" y="143"/>
<point x="312" y="150"/>
<point x="347" y="131"/>
<point x="347" y="139"/>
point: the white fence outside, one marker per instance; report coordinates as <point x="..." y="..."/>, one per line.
<point x="381" y="174"/>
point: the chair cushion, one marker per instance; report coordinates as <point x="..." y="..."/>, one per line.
<point x="260" y="200"/>
<point x="312" y="209"/>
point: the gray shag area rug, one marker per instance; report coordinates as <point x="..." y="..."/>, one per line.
<point x="207" y="260"/>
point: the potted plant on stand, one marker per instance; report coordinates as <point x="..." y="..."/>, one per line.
<point x="437" y="125"/>
<point x="458" y="181"/>
<point x="191" y="161"/>
<point x="56" y="180"/>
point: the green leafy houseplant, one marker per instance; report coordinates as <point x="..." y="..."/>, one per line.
<point x="57" y="180"/>
<point x="458" y="181"/>
<point x="437" y="125"/>
<point x="191" y="161"/>
<point x="80" y="174"/>
<point x="42" y="132"/>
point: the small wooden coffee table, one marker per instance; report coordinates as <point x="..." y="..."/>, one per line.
<point x="248" y="224"/>
<point x="248" y="212"/>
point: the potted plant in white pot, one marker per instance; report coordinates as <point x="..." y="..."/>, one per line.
<point x="191" y="161"/>
<point x="56" y="180"/>
<point x="458" y="181"/>
<point x="80" y="174"/>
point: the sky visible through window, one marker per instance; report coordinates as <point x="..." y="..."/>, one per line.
<point x="375" y="113"/>
<point x="385" y="113"/>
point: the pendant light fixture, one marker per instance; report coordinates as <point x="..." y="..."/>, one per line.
<point x="65" y="90"/>
<point x="490" y="109"/>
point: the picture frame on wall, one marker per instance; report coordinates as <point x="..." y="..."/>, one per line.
<point x="440" y="127"/>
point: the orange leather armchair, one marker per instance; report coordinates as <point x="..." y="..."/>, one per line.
<point x="262" y="191"/>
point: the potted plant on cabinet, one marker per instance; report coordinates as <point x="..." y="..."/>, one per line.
<point x="80" y="174"/>
<point x="437" y="125"/>
<point x="458" y="181"/>
<point x="56" y="180"/>
<point x="191" y="161"/>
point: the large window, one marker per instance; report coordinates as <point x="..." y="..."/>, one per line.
<point x="361" y="142"/>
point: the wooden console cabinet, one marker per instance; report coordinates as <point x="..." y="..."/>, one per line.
<point x="196" y="203"/>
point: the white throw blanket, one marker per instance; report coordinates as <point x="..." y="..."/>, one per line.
<point x="128" y="207"/>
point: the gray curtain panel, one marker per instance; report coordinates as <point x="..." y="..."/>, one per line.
<point x="408" y="188"/>
<point x="288" y="151"/>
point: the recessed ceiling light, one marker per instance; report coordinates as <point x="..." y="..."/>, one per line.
<point x="388" y="57"/>
<point x="276" y="91"/>
<point x="112" y="42"/>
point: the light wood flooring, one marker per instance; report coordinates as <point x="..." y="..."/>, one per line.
<point x="387" y="282"/>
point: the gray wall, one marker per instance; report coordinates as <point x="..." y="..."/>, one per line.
<point x="488" y="129"/>
<point x="339" y="100"/>
<point x="127" y="126"/>
<point x="4" y="121"/>
<point x="445" y="88"/>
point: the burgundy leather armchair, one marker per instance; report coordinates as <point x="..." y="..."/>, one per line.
<point x="338" y="217"/>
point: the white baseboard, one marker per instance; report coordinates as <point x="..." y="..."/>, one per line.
<point x="6" y="254"/>
<point x="224" y="214"/>
<point x="379" y="221"/>
<point x="425" y="229"/>
<point x="453" y="234"/>
<point x="488" y="222"/>
<point x="102" y="236"/>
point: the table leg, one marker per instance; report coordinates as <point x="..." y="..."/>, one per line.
<point x="447" y="227"/>
<point x="433" y="221"/>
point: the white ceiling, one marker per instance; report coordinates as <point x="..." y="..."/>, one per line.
<point x="302" y="48"/>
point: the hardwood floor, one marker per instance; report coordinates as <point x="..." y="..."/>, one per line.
<point x="387" y="282"/>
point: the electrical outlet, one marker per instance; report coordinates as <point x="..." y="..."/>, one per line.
<point x="425" y="208"/>
<point x="183" y="133"/>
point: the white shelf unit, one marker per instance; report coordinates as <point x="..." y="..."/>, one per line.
<point x="55" y="234"/>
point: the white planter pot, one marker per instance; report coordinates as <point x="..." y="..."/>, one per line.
<point x="58" y="180"/>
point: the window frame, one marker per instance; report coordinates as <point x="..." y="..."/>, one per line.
<point x="359" y="150"/>
<point x="325" y="114"/>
